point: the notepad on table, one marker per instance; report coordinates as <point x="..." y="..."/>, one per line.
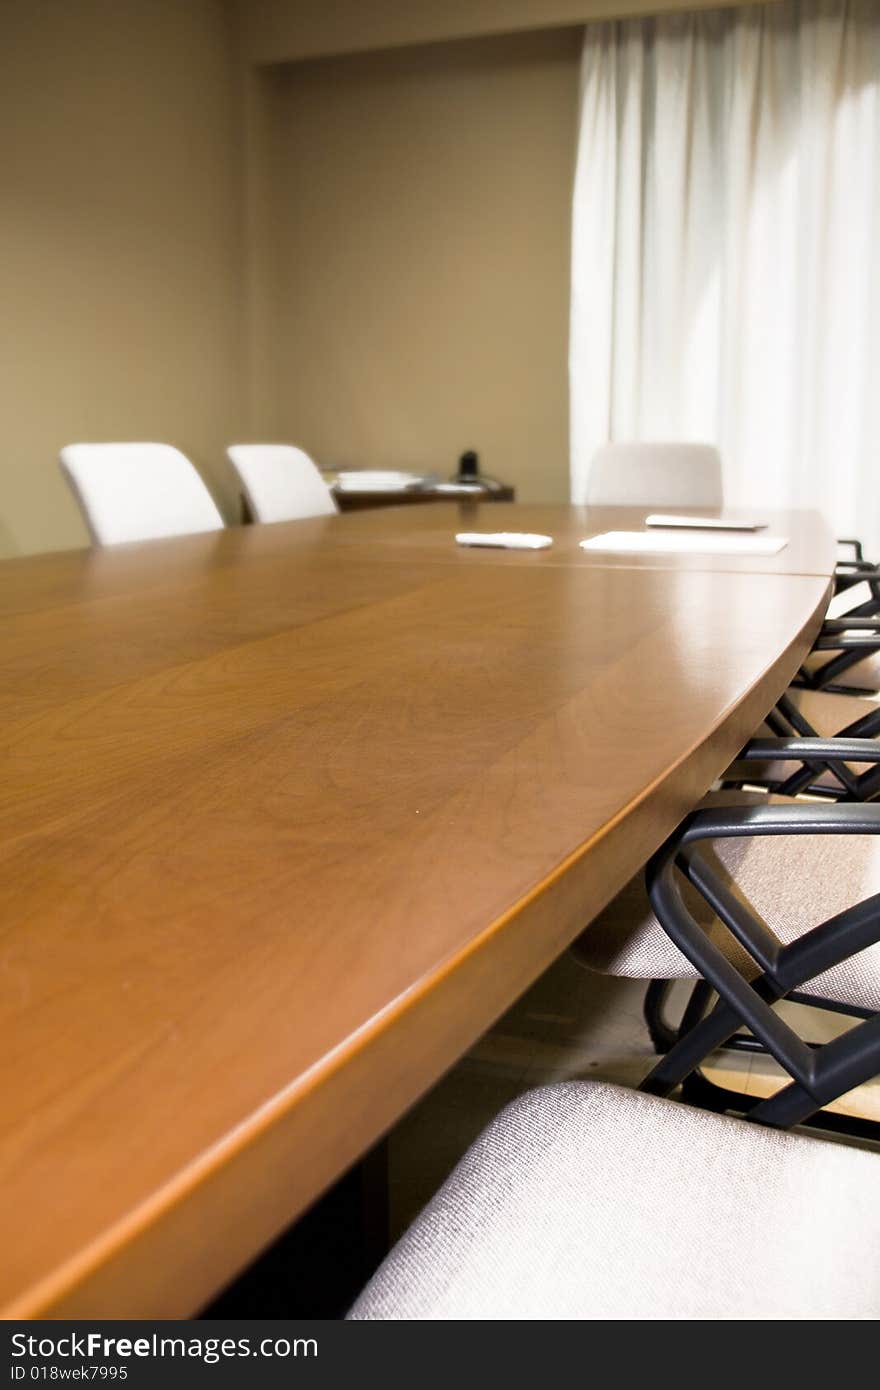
<point x="684" y="542"/>
<point x="704" y="523"/>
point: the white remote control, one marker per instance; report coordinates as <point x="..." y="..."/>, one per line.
<point x="505" y="540"/>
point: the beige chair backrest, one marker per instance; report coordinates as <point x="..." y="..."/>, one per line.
<point x="138" y="492"/>
<point x="655" y="475"/>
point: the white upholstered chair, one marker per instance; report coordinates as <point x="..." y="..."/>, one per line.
<point x="586" y="1201"/>
<point x="280" y="482"/>
<point x="136" y="492"/>
<point x="655" y="475"/>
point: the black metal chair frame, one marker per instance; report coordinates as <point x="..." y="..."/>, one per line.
<point x="797" y="741"/>
<point x="820" y="1074"/>
<point x="852" y="636"/>
<point x="856" y="545"/>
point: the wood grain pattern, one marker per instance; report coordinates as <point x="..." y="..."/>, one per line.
<point x="288" y="816"/>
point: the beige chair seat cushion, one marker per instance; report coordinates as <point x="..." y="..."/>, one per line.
<point x="792" y="882"/>
<point x="829" y="713"/>
<point x="587" y="1201"/>
<point x="865" y="675"/>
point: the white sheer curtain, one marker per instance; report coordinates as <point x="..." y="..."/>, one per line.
<point x="726" y="249"/>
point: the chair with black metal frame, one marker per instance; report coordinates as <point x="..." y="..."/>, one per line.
<point x="820" y="704"/>
<point x="845" y="658"/>
<point x="855" y="669"/>
<point x="752" y="963"/>
<point x="818" y="715"/>
<point x="547" y="1214"/>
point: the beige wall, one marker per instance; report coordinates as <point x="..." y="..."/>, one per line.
<point x="419" y="250"/>
<point x="368" y="254"/>
<point x="283" y="30"/>
<point x="120" y="278"/>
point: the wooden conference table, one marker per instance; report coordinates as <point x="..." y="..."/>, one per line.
<point x="289" y="815"/>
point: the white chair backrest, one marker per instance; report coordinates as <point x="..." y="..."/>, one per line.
<point x="655" y="475"/>
<point x="138" y="492"/>
<point x="280" y="482"/>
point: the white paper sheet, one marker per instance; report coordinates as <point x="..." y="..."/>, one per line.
<point x="377" y="480"/>
<point x="684" y="543"/>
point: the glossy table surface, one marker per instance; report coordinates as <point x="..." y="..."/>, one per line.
<point x="808" y="550"/>
<point x="288" y="816"/>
